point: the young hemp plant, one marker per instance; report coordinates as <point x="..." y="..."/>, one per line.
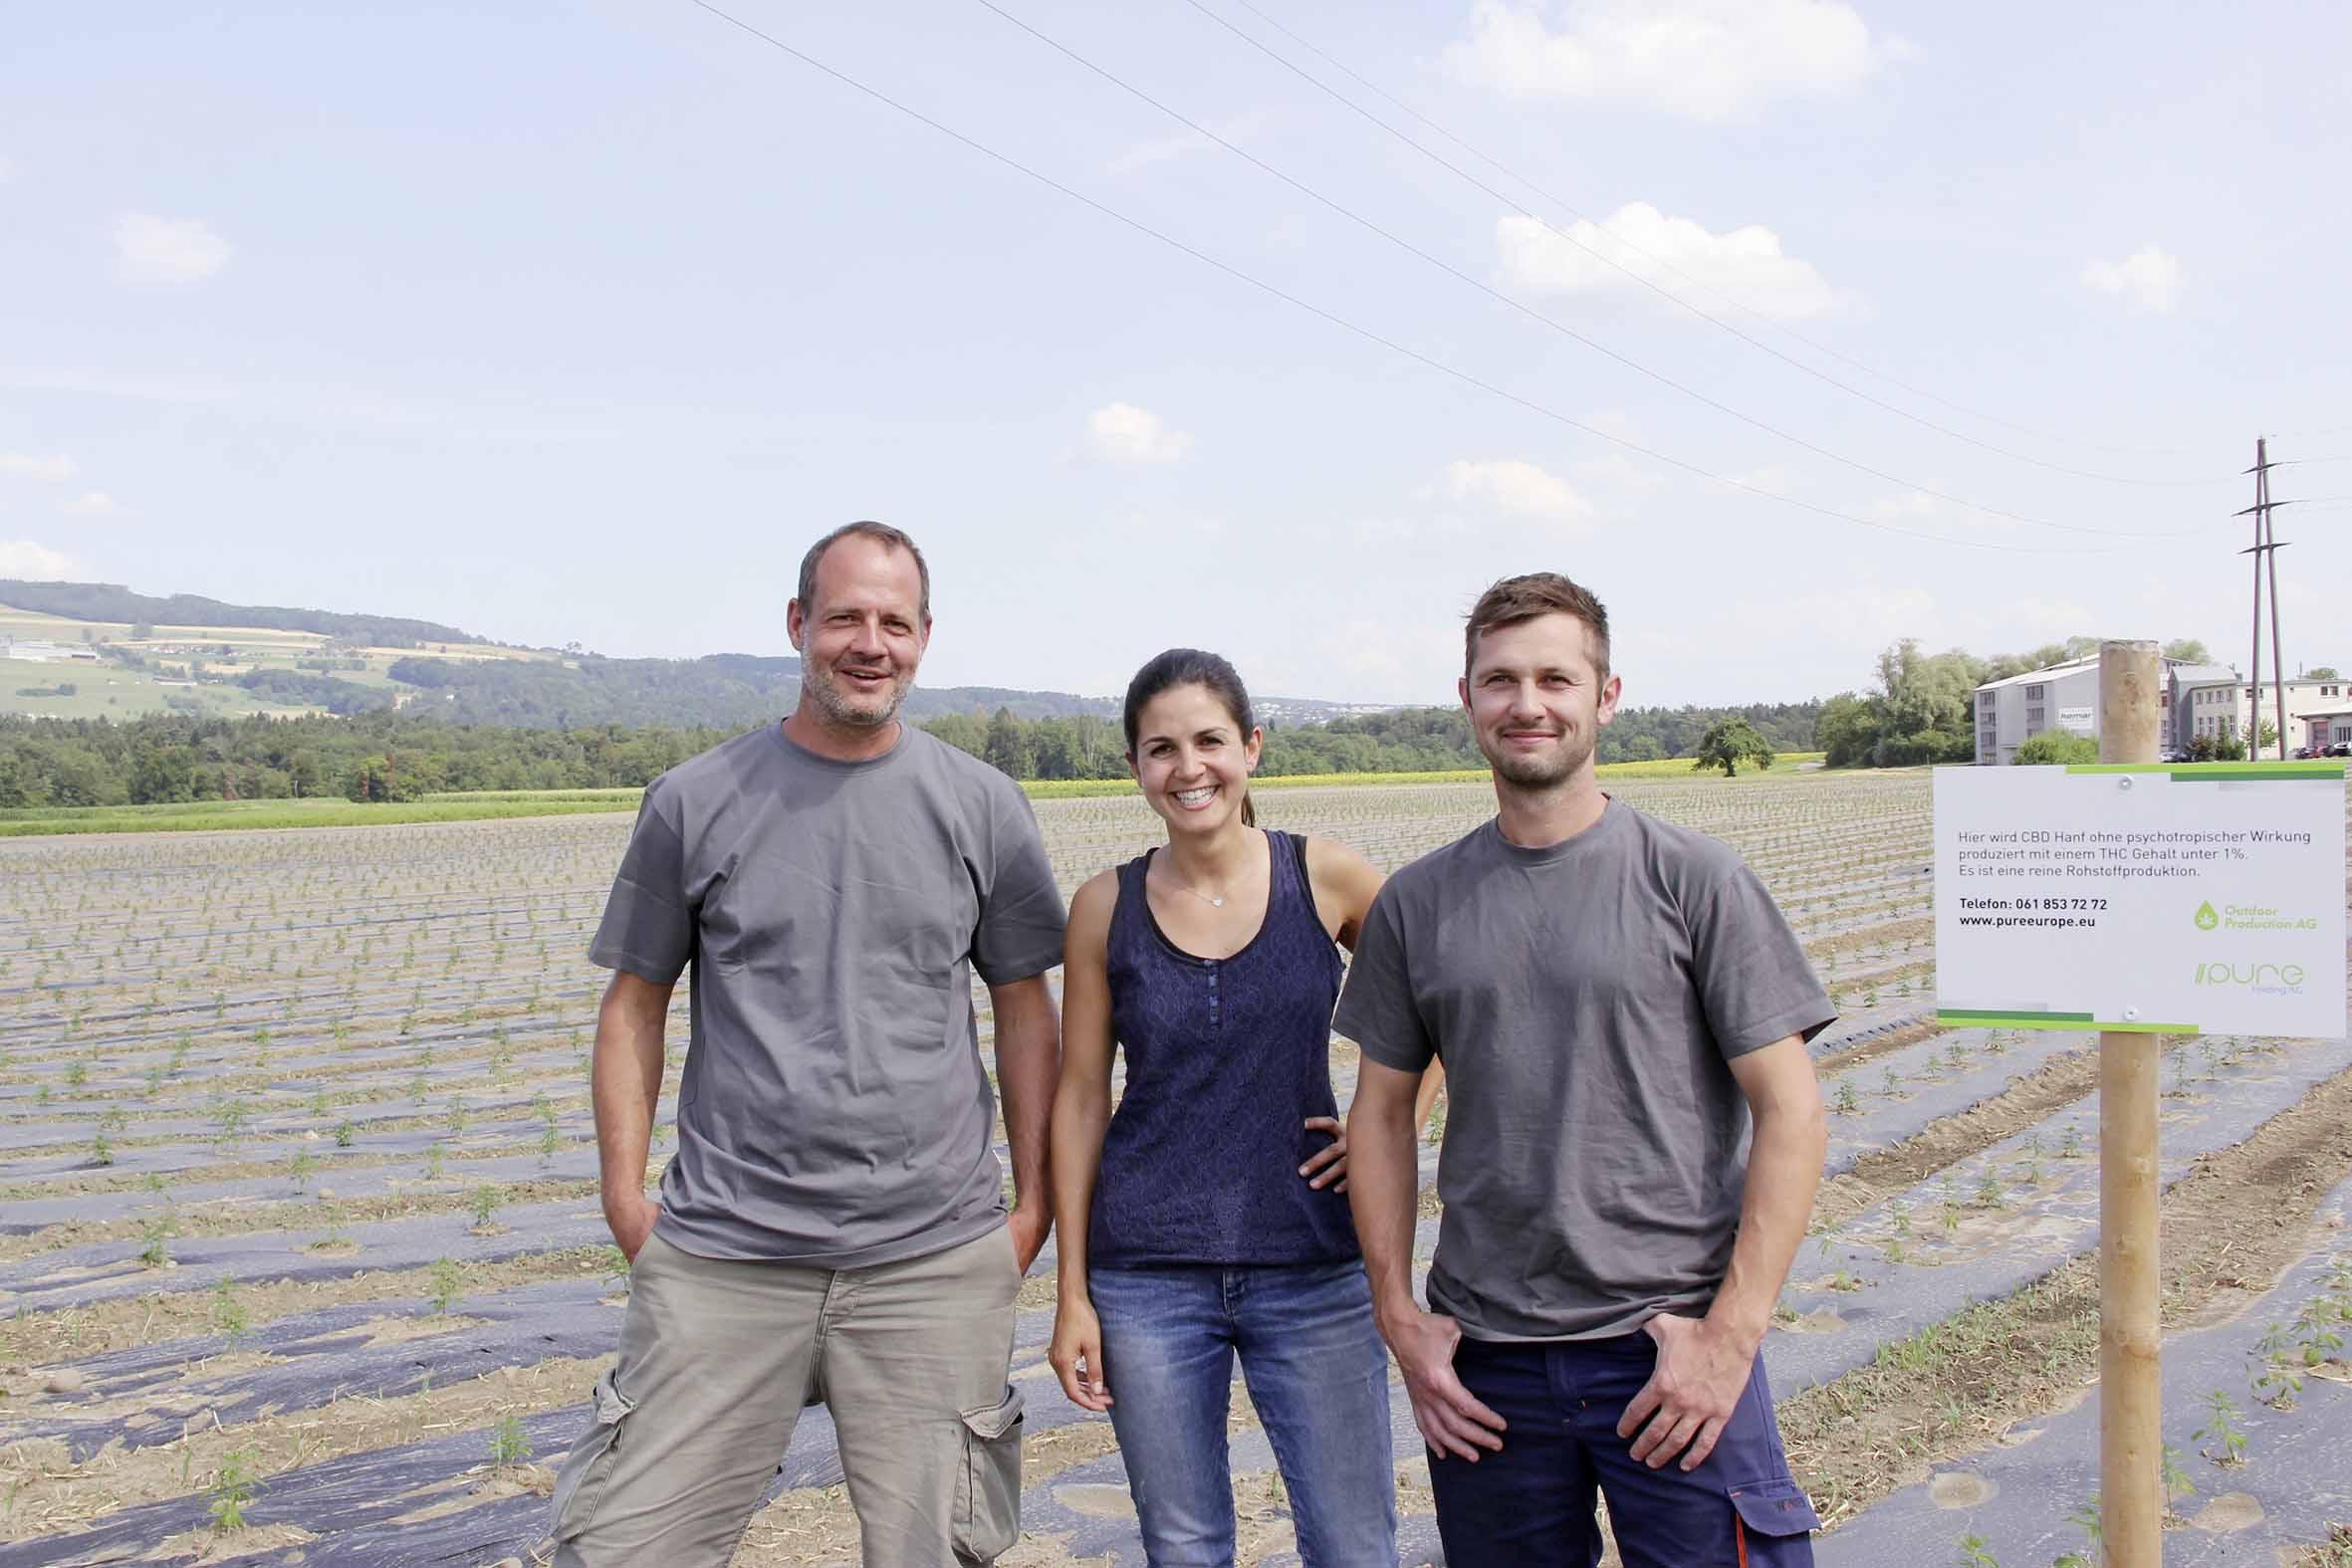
<point x="2221" y="1440"/>
<point x="233" y="1488"/>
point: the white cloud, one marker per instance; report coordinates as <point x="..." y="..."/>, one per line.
<point x="1521" y="489"/>
<point x="1167" y="148"/>
<point x="1911" y="504"/>
<point x="93" y="504"/>
<point x="2148" y="279"/>
<point x="1126" y="433"/>
<point x="1164" y="149"/>
<point x="1747" y="263"/>
<point x="149" y="249"/>
<point x="1774" y="479"/>
<point x="1705" y="60"/>
<point x="27" y="466"/>
<point x="1912" y="508"/>
<point x="24" y="560"/>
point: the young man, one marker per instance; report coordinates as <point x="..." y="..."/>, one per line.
<point x="1615" y="1001"/>
<point x="834" y="1224"/>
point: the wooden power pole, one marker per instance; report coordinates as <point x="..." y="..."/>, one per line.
<point x="2131" y="1493"/>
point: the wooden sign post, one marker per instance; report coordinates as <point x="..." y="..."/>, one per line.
<point x="2131" y="1488"/>
<point x="2139" y="899"/>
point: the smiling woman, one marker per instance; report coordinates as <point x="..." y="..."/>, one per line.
<point x="1204" y="1221"/>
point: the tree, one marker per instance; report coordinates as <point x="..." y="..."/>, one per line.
<point x="140" y="632"/>
<point x="1728" y="743"/>
<point x="1008" y="747"/>
<point x="1847" y="730"/>
<point x="2056" y="745"/>
<point x="2323" y="672"/>
<point x="1928" y="706"/>
<point x="2188" y="650"/>
<point x="160" y="774"/>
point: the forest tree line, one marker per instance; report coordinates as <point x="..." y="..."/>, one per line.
<point x="393" y="756"/>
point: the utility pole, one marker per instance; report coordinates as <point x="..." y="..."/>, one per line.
<point x="2265" y="544"/>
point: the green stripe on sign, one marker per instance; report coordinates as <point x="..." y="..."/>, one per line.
<point x="2006" y="1015"/>
<point x="1974" y="1017"/>
<point x="2202" y="772"/>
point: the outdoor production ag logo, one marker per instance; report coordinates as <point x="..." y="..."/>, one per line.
<point x="2206" y="920"/>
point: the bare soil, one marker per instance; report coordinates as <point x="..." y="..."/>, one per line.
<point x="2230" y="1227"/>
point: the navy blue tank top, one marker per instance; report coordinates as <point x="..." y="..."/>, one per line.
<point x="1225" y="1060"/>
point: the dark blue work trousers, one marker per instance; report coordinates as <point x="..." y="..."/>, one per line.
<point x="1531" y="1505"/>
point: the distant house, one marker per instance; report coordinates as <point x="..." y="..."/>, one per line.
<point x="30" y="650"/>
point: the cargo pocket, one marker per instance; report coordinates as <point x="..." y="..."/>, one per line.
<point x="988" y="1485"/>
<point x="589" y="1465"/>
<point x="1774" y="1517"/>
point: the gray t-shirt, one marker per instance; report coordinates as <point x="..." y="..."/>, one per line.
<point x="1586" y="1000"/>
<point x="834" y="1109"/>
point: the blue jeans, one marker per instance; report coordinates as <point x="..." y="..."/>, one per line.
<point x="1530" y="1504"/>
<point x="1317" y="1371"/>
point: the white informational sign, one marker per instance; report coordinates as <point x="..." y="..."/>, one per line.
<point x="2162" y="899"/>
<point x="2075" y="720"/>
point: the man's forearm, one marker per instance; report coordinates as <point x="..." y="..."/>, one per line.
<point x="624" y="1085"/>
<point x="1382" y="1182"/>
<point x="1029" y="1060"/>
<point x="1783" y="1172"/>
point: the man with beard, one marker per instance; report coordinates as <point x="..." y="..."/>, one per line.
<point x="1616" y="1001"/>
<point x="834" y="1225"/>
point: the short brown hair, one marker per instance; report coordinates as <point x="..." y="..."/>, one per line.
<point x="1523" y="598"/>
<point x="881" y="533"/>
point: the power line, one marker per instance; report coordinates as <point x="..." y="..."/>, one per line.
<point x="1365" y="333"/>
<point x="1561" y="328"/>
<point x="1733" y="301"/>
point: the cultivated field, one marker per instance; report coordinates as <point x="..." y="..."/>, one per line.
<point x="181" y="656"/>
<point x="301" y="1257"/>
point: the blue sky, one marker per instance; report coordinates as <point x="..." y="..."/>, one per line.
<point x="578" y="323"/>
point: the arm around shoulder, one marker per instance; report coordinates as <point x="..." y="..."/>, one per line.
<point x="1345" y="884"/>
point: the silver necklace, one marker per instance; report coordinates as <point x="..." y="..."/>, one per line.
<point x="1213" y="903"/>
<point x="1218" y="902"/>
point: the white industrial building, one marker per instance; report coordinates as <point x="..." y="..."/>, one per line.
<point x="2221" y="703"/>
<point x="2198" y="699"/>
<point x="2329" y="727"/>
<point x="2061" y="697"/>
<point x="40" y="650"/>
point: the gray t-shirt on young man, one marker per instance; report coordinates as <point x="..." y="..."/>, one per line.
<point x="834" y="1109"/>
<point x="1585" y="999"/>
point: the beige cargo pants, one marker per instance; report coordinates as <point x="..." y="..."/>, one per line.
<point x="717" y="1359"/>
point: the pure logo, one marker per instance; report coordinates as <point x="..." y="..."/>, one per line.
<point x="2269" y="980"/>
<point x="2206" y="920"/>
